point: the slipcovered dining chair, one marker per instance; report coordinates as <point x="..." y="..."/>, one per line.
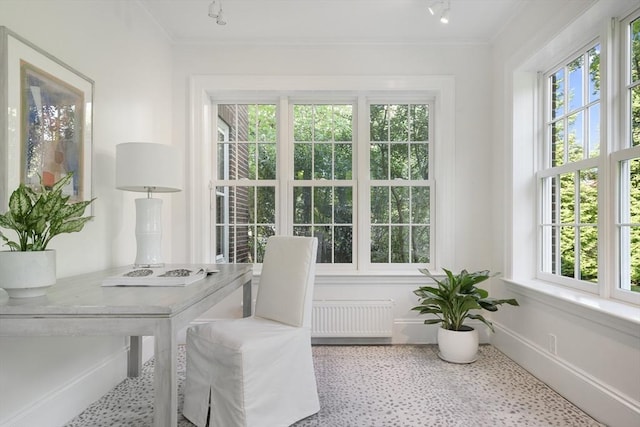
<point x="258" y="371"/>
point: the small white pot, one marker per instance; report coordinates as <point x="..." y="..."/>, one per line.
<point x="458" y="346"/>
<point x="27" y="274"/>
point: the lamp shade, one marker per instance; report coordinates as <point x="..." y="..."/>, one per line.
<point x="146" y="166"/>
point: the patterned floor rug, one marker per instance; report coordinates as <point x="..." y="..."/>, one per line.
<point x="380" y="386"/>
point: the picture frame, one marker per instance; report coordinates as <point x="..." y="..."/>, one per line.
<point x="46" y="120"/>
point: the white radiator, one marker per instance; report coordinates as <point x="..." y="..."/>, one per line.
<point x="340" y="318"/>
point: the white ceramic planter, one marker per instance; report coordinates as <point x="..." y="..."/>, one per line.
<point x="27" y="274"/>
<point x="458" y="346"/>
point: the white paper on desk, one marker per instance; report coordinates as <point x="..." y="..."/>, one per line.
<point x="173" y="276"/>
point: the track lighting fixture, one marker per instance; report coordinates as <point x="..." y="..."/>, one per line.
<point x="217" y="15"/>
<point x="442" y="7"/>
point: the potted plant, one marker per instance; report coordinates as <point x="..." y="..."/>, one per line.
<point x="27" y="269"/>
<point x="453" y="300"/>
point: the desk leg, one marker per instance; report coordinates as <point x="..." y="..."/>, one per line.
<point x="165" y="405"/>
<point x="246" y="299"/>
<point x="134" y="361"/>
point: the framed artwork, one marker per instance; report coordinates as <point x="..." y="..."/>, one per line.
<point x="46" y="120"/>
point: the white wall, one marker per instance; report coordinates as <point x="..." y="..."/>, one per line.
<point x="469" y="66"/>
<point x="45" y="381"/>
<point x="596" y="364"/>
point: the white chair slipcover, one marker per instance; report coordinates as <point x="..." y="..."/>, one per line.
<point x="258" y="371"/>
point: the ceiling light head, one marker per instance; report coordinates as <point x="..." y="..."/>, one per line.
<point x="444" y="18"/>
<point x="220" y="19"/>
<point x="212" y="10"/>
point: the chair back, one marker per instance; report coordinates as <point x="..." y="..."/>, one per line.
<point x="285" y="293"/>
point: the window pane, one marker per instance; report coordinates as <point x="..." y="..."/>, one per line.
<point x="557" y="143"/>
<point x="343" y="205"/>
<point x="589" y="196"/>
<point x="266" y="161"/>
<point x="567" y="198"/>
<point x="380" y="205"/>
<point x="420" y="244"/>
<point x="575" y="135"/>
<point x="323" y="123"/>
<point x="635" y="116"/>
<point x="262" y="123"/>
<point x="399" y="122"/>
<point x="379" y="161"/>
<point x="420" y="203"/>
<point x="594" y="73"/>
<point x="419" y="122"/>
<point x="594" y="130"/>
<point x="399" y="161"/>
<point x="557" y="94"/>
<point x="343" y="122"/>
<point x="302" y="205"/>
<point x="589" y="254"/>
<point x="576" y="83"/>
<point x="399" y="205"/>
<point x="325" y="244"/>
<point x="343" y="161"/>
<point x="634" y="258"/>
<point x="568" y="251"/>
<point x="322" y="205"/>
<point x="303" y="123"/>
<point x="322" y="161"/>
<point x="379" y="124"/>
<point x="379" y="244"/>
<point x="419" y="162"/>
<point x="302" y="161"/>
<point x="265" y="205"/>
<point x="629" y="221"/>
<point x="634" y="53"/>
<point x="343" y="244"/>
<point x="400" y="244"/>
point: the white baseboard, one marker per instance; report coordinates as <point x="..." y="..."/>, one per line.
<point x="63" y="404"/>
<point x="597" y="399"/>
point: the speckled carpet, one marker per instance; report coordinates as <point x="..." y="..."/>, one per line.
<point x="379" y="386"/>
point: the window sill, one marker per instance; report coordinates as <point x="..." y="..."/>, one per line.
<point x="614" y="314"/>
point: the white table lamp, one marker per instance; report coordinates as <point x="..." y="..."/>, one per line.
<point x="149" y="168"/>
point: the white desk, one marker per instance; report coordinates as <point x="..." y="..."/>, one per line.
<point x="81" y="306"/>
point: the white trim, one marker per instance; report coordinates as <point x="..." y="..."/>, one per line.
<point x="67" y="401"/>
<point x="596" y="398"/>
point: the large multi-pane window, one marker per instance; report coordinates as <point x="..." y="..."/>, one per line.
<point x="400" y="187"/>
<point x="589" y="178"/>
<point x="323" y="182"/>
<point x="627" y="164"/>
<point x="569" y="175"/>
<point x="296" y="172"/>
<point x="246" y="180"/>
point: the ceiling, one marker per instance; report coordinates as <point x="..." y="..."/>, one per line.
<point x="331" y="21"/>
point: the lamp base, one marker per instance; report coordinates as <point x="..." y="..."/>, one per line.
<point x="148" y="233"/>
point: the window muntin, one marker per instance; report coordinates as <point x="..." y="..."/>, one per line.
<point x="400" y="190"/>
<point x="569" y="175"/>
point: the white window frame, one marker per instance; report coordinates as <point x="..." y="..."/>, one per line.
<point x="614" y="108"/>
<point x="441" y="88"/>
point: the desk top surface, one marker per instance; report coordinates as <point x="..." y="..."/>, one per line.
<point x="84" y="295"/>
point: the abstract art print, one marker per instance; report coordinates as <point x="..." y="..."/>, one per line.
<point x="48" y="121"/>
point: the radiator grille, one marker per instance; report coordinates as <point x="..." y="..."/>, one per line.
<point x="352" y="318"/>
